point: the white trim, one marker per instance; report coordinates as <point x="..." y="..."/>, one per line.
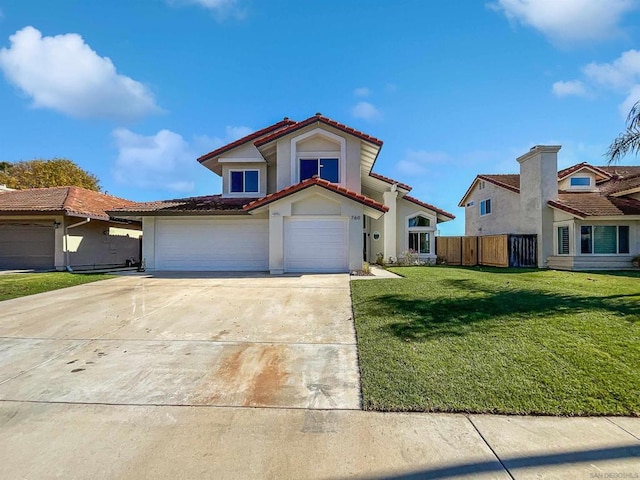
<point x="241" y="160"/>
<point x="341" y="155"/>
<point x="566" y="223"/>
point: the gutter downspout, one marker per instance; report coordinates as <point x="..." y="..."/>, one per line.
<point x="66" y="241"/>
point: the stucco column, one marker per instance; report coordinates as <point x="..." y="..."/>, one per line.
<point x="390" y="200"/>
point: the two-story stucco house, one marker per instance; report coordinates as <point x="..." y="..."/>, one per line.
<point x="585" y="217"/>
<point x="296" y="197"/>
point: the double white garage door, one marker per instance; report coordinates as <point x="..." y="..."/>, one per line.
<point x="311" y="244"/>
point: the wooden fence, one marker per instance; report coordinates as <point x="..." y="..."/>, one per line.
<point x="492" y="250"/>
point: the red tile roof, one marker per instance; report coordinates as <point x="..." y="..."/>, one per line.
<point x="203" y="205"/>
<point x="310" y="182"/>
<point x="574" y="168"/>
<point x="320" y="119"/>
<point x="508" y="181"/>
<point x="253" y="136"/>
<point x="71" y="201"/>
<point x="390" y="181"/>
<point x="595" y="205"/>
<point x="429" y="206"/>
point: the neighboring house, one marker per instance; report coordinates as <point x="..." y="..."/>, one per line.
<point x="296" y="197"/>
<point x="585" y="217"/>
<point x="52" y="228"/>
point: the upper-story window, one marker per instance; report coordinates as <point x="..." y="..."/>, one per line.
<point x="485" y="207"/>
<point x="244" y="181"/>
<point x="580" y="182"/>
<point x="326" y="168"/>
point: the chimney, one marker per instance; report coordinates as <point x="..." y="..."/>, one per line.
<point x="538" y="185"/>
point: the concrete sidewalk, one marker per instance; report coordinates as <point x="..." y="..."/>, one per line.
<point x="48" y="440"/>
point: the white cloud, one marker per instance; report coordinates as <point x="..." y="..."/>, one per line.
<point x="222" y="8"/>
<point x="362" y="92"/>
<point x="621" y="74"/>
<point x="570" y="88"/>
<point x="63" y="73"/>
<point x="568" y="21"/>
<point x="205" y="143"/>
<point x="156" y="161"/>
<point x="421" y="162"/>
<point x="165" y="160"/>
<point x="366" y="111"/>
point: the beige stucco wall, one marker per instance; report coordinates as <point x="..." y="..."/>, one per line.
<point x="287" y="168"/>
<point x="92" y="244"/>
<point x="565" y="183"/>
<point x="504" y="216"/>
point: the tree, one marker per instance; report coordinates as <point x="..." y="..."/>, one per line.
<point x="629" y="140"/>
<point x="58" y="172"/>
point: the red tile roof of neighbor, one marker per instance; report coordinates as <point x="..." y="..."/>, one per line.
<point x="595" y="205"/>
<point x="71" y="201"/>
<point x="390" y="181"/>
<point x="252" y="136"/>
<point x="574" y="168"/>
<point x="508" y="181"/>
<point x="310" y="182"/>
<point x="320" y="119"/>
<point x="204" y="205"/>
<point x="429" y="206"/>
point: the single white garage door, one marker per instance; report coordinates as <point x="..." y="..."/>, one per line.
<point x="212" y="244"/>
<point x="27" y="245"/>
<point x="315" y="244"/>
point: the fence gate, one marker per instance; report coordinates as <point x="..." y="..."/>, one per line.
<point x="523" y="251"/>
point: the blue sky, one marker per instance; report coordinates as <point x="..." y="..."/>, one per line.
<point x="134" y="91"/>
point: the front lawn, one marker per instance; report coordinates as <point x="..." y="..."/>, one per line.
<point x="23" y="284"/>
<point x="500" y="340"/>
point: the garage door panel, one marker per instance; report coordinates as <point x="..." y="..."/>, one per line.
<point x="216" y="245"/>
<point x="27" y="246"/>
<point x="316" y="244"/>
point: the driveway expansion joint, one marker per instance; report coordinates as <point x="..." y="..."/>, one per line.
<point x="486" y="442"/>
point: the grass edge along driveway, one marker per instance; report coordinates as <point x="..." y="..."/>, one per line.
<point x="507" y="341"/>
<point x="23" y="284"/>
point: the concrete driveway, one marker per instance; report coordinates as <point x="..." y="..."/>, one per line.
<point x="235" y="340"/>
<point x="194" y="376"/>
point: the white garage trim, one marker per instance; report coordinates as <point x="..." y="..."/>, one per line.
<point x="316" y="244"/>
<point x="204" y="244"/>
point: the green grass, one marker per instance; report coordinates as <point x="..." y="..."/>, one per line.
<point x="500" y="340"/>
<point x="23" y="284"/>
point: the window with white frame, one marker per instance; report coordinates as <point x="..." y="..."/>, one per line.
<point x="604" y="239"/>
<point x="244" y="181"/>
<point x="419" y="234"/>
<point x="580" y="181"/>
<point x="326" y="168"/>
<point x="563" y="240"/>
<point x="485" y="207"/>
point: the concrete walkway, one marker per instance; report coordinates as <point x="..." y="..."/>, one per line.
<point x="203" y="376"/>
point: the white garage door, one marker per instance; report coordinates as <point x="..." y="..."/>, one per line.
<point x="212" y="244"/>
<point x="27" y="246"/>
<point x="315" y="244"/>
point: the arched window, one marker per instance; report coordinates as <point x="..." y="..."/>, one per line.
<point x="419" y="221"/>
<point x="419" y="233"/>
